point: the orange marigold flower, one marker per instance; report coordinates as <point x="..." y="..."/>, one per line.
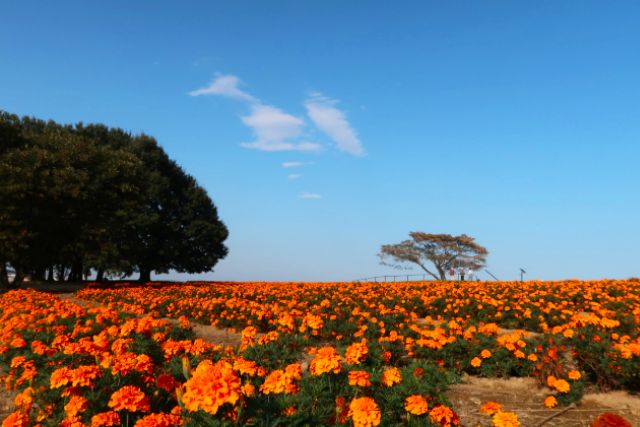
<point x="364" y="412"/>
<point x="275" y="382"/>
<point x="245" y="367"/>
<point x="76" y="405"/>
<point x="211" y="386"/>
<point x="326" y="360"/>
<point x="491" y="407"/>
<point x="551" y="380"/>
<point x="60" y="377"/>
<point x="574" y="375"/>
<point x="444" y="416"/>
<point x="129" y="398"/>
<point x="550" y="402"/>
<point x="476" y="362"/>
<point x="159" y="420"/>
<point x="357" y="352"/>
<point x="16" y="419"/>
<point x="416" y="404"/>
<point x="105" y="419"/>
<point x="359" y="378"/>
<point x="562" y="386"/>
<point x="505" y="419"/>
<point x="248" y="390"/>
<point x="532" y="357"/>
<point x="391" y="376"/>
<point x="485" y="354"/>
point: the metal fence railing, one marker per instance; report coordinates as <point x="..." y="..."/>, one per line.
<point x="397" y="278"/>
<point x="410" y="278"/>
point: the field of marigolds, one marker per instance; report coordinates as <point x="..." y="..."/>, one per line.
<point x="316" y="354"/>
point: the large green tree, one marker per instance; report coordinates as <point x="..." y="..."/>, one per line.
<point x="75" y="199"/>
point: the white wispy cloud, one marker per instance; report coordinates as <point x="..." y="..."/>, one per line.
<point x="293" y="176"/>
<point x="276" y="130"/>
<point x="225" y="85"/>
<point x="333" y="122"/>
<point x="287" y="165"/>
<point x="306" y="195"/>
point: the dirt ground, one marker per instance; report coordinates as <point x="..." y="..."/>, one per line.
<point x="524" y="397"/>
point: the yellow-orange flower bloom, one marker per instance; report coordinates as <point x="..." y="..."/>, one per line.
<point x="505" y="419"/>
<point x="129" y="398"/>
<point x="491" y="407"/>
<point x="326" y="360"/>
<point x="574" y="375"/>
<point x="364" y="412"/>
<point x="359" y="378"/>
<point x="550" y="402"/>
<point x="444" y="416"/>
<point x="211" y="386"/>
<point x="562" y="386"/>
<point x="476" y="362"/>
<point x="357" y="352"/>
<point x="105" y="419"/>
<point x="416" y="404"/>
<point x="391" y="376"/>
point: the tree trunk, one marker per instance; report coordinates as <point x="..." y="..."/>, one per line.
<point x="50" y="275"/>
<point x="145" y="275"/>
<point x="4" y="277"/>
<point x="100" y="275"/>
<point x="17" y="280"/>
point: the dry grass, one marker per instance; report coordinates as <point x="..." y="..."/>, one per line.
<point x="524" y="397"/>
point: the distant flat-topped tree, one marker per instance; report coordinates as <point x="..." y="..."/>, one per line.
<point x="444" y="251"/>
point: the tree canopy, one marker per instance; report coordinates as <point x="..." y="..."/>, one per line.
<point x="76" y="199"/>
<point x="444" y="251"/>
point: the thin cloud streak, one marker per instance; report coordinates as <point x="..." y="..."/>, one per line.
<point x="225" y="85"/>
<point x="306" y="195"/>
<point x="333" y="123"/>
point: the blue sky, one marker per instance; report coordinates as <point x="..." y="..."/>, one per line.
<point x="517" y="123"/>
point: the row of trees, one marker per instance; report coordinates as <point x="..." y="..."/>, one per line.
<point x="88" y="198"/>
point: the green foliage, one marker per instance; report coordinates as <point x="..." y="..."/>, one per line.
<point x="75" y="199"/>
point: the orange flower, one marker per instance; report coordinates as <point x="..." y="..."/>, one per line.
<point x="248" y="389"/>
<point x="562" y="386"/>
<point x="444" y="416"/>
<point x="357" y="352"/>
<point x="245" y="367"/>
<point x="76" y="405"/>
<point x="326" y="360"/>
<point x="359" y="378"/>
<point x="364" y="412"/>
<point x="574" y="375"/>
<point x="105" y="419"/>
<point x="505" y="419"/>
<point x="491" y="408"/>
<point x="159" y="420"/>
<point x="16" y="419"/>
<point x="416" y="405"/>
<point x="129" y="398"/>
<point x="476" y="362"/>
<point x="211" y="386"/>
<point x="551" y="380"/>
<point x="391" y="376"/>
<point x="275" y="382"/>
<point x="550" y="402"/>
<point x="485" y="354"/>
